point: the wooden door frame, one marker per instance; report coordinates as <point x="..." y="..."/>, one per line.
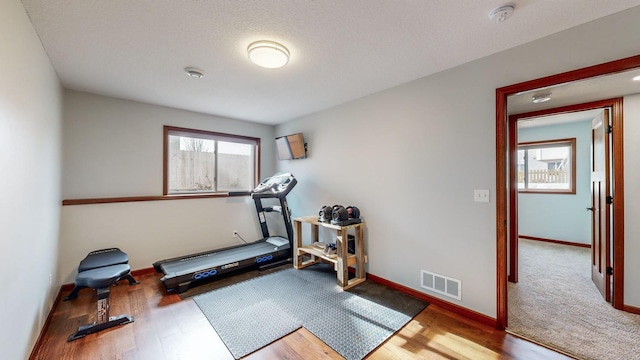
<point x="502" y="158"/>
<point x="616" y="121"/>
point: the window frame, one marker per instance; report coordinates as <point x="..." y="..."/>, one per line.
<point x="205" y="134"/>
<point x="571" y="142"/>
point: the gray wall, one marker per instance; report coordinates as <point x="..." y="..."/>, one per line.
<point x="632" y="200"/>
<point x="30" y="159"/>
<point x="113" y="148"/>
<point x="411" y="156"/>
<point x="559" y="216"/>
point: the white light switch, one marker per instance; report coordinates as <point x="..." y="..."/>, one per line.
<point x="481" y="195"/>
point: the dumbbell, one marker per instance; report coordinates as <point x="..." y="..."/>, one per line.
<point x="339" y="213"/>
<point x="324" y="215"/>
<point x="353" y="212"/>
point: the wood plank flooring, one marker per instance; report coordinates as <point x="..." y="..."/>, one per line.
<point x="167" y="327"/>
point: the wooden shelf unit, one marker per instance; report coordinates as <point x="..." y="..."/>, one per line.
<point x="342" y="261"/>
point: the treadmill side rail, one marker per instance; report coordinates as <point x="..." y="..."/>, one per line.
<point x="182" y="272"/>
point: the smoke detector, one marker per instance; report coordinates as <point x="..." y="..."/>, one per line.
<point x="501" y="13"/>
<point x="194" y="72"/>
<point x="540" y="98"/>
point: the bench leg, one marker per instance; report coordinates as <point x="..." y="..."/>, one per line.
<point x="74" y="293"/>
<point x="131" y="280"/>
<point x="103" y="320"/>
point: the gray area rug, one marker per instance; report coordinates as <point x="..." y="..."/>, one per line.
<point x="253" y="313"/>
<point x="556" y="304"/>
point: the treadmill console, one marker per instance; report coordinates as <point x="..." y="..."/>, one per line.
<point x="278" y="185"/>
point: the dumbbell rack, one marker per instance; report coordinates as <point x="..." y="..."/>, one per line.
<point x="342" y="261"/>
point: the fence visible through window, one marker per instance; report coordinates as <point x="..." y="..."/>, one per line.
<point x="199" y="161"/>
<point x="547" y="166"/>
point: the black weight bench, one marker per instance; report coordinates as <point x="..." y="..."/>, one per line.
<point x="97" y="259"/>
<point x="99" y="270"/>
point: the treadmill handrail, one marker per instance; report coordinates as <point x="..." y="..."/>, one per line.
<point x="276" y="186"/>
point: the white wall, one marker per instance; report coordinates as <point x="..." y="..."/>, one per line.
<point x="559" y="216"/>
<point x="411" y="156"/>
<point x="30" y="156"/>
<point x="113" y="148"/>
<point x="155" y="230"/>
<point x="631" y="139"/>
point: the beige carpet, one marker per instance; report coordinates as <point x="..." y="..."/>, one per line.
<point x="556" y="304"/>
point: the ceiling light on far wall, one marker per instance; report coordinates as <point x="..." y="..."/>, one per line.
<point x="540" y="98"/>
<point x="194" y="73"/>
<point x="268" y="54"/>
<point x="501" y="13"/>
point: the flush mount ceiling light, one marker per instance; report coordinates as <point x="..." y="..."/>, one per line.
<point x="501" y="13"/>
<point x="268" y="54"/>
<point x="637" y="78"/>
<point x="194" y="73"/>
<point x="540" y="98"/>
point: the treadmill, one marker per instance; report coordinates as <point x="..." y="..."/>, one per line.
<point x="181" y="272"/>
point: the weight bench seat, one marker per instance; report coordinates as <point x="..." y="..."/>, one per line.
<point x="101" y="258"/>
<point x="103" y="276"/>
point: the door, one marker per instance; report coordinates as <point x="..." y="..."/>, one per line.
<point x="599" y="208"/>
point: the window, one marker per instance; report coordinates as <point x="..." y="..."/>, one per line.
<point x="197" y="161"/>
<point x="547" y="166"/>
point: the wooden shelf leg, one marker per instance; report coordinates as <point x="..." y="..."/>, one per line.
<point x="314" y="233"/>
<point x="297" y="243"/>
<point x="343" y="253"/>
<point x="360" y="256"/>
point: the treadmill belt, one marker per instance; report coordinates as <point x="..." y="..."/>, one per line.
<point x="209" y="260"/>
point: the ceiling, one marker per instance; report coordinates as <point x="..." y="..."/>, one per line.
<point x="592" y="89"/>
<point x="577" y="92"/>
<point x="555" y="119"/>
<point x="340" y="50"/>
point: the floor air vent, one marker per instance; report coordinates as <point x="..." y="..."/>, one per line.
<point x="441" y="284"/>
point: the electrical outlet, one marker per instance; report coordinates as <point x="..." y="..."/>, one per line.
<point x="235" y="233"/>
<point x="481" y="195"/>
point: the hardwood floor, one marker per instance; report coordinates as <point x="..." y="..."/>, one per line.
<point x="166" y="327"/>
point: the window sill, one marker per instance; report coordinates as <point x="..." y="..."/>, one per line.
<point x="150" y="198"/>
<point x="558" y="192"/>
